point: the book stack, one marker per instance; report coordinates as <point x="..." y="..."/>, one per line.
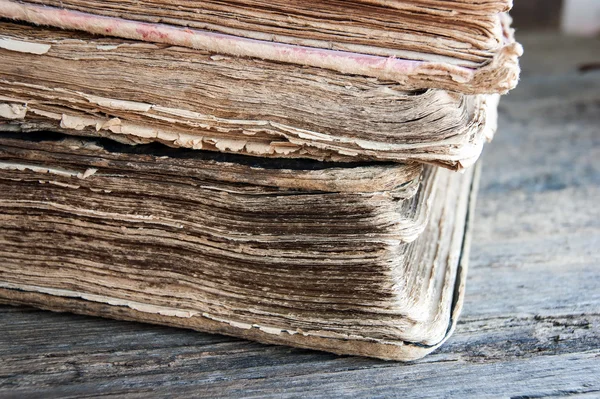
<point x="291" y="172"/>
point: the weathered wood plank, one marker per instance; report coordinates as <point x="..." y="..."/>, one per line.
<point x="531" y="320"/>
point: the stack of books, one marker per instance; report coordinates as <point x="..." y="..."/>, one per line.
<point x="291" y="172"/>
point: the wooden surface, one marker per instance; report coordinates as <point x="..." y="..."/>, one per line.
<point x="531" y="321"/>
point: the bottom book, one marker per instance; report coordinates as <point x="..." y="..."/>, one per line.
<point x="354" y="258"/>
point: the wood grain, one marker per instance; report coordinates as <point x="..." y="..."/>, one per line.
<point x="531" y="320"/>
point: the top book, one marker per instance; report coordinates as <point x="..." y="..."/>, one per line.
<point x="458" y="45"/>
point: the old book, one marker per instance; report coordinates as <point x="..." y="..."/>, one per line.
<point x="264" y="170"/>
<point x="139" y="92"/>
<point x="464" y="46"/>
<point x="353" y="258"/>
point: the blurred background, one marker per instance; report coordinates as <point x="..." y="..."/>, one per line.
<point x="545" y="27"/>
<point x="572" y="17"/>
